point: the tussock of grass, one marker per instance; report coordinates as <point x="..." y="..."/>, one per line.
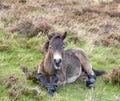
<point x="113" y="76"/>
<point x="31" y="73"/>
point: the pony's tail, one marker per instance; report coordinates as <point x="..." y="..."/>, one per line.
<point x="99" y="72"/>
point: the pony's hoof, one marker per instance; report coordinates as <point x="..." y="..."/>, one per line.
<point x="54" y="88"/>
<point x="50" y="93"/>
<point x="51" y="89"/>
<point x="90" y="81"/>
<point x="91" y="78"/>
<point x="90" y="85"/>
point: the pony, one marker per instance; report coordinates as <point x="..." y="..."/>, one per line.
<point x="60" y="66"/>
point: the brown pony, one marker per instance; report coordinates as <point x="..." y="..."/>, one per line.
<point x="60" y="66"/>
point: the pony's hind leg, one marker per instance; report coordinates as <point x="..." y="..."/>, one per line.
<point x="87" y="67"/>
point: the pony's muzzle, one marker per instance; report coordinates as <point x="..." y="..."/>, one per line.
<point x="57" y="61"/>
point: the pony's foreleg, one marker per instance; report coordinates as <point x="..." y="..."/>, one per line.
<point x="50" y="88"/>
<point x="40" y="75"/>
<point x="53" y="80"/>
<point x="42" y="79"/>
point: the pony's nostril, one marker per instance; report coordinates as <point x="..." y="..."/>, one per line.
<point x="60" y="61"/>
<point x="57" y="61"/>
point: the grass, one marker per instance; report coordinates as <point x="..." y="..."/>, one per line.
<point x="26" y="51"/>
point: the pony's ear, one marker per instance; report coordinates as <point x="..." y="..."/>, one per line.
<point x="64" y="35"/>
<point x="48" y="35"/>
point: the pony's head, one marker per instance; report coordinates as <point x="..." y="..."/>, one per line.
<point x="56" y="48"/>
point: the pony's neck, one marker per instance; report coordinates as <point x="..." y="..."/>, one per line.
<point x="48" y="64"/>
<point x="48" y="58"/>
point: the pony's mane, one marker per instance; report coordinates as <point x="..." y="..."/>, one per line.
<point x="46" y="45"/>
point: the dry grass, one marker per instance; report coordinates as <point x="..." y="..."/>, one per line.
<point x="32" y="26"/>
<point x="113" y="76"/>
<point x="41" y="16"/>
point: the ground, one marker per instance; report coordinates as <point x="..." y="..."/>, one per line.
<point x="93" y="25"/>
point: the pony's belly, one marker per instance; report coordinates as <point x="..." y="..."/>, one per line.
<point x="71" y="69"/>
<point x="74" y="75"/>
<point x="69" y="78"/>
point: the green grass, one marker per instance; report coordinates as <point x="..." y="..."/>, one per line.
<point x="21" y="50"/>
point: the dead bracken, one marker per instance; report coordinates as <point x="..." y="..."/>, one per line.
<point x="16" y="89"/>
<point x="113" y="76"/>
<point x="109" y="39"/>
<point x="32" y="26"/>
<point x="29" y="73"/>
<point x="4" y="6"/>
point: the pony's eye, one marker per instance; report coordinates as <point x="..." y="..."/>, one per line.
<point x="50" y="46"/>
